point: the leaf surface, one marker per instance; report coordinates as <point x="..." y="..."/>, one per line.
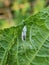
<point x="33" y="51"/>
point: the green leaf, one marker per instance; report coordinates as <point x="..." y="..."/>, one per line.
<point x="6" y="42"/>
<point x="33" y="51"/>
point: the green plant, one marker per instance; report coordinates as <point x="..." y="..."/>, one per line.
<point x="33" y="51"/>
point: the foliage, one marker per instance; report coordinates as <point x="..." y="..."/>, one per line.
<point x="33" y="51"/>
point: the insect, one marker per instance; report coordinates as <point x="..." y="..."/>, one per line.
<point x="24" y="30"/>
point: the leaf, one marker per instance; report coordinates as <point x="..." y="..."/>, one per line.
<point x="42" y="57"/>
<point x="6" y="42"/>
<point x="33" y="51"/>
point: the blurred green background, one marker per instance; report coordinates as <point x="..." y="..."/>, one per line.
<point x="21" y="9"/>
